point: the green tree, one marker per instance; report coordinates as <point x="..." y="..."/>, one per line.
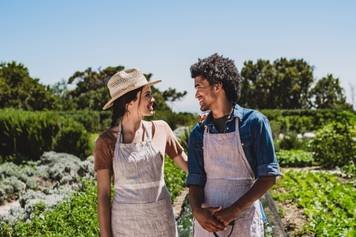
<point x="285" y="84"/>
<point x="90" y="90"/>
<point x="328" y="94"/>
<point x="19" y="90"/>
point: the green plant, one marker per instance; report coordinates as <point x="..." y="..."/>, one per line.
<point x="76" y="216"/>
<point x="174" y="178"/>
<point x="294" y="158"/>
<point x="333" y="145"/>
<point x="327" y="202"/>
<point x="25" y="135"/>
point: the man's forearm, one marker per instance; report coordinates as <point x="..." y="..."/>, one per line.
<point x="259" y="188"/>
<point x="196" y="197"/>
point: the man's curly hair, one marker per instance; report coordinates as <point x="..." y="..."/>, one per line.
<point x="217" y="69"/>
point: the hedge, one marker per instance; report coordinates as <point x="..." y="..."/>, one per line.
<point x="25" y="135"/>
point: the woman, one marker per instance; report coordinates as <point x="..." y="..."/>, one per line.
<point x="132" y="152"/>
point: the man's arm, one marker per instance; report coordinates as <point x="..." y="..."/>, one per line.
<point x="205" y="216"/>
<point x="196" y="181"/>
<point x="260" y="187"/>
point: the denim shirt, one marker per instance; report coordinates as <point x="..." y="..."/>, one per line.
<point x="256" y="139"/>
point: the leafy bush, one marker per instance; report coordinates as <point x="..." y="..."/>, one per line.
<point x="333" y="145"/>
<point x="174" y="177"/>
<point x="301" y="121"/>
<point x="76" y="216"/>
<point x="291" y="141"/>
<point x="46" y="175"/>
<point x="26" y="135"/>
<point x="327" y="202"/>
<point x="72" y="139"/>
<point x="175" y="119"/>
<point x="294" y="158"/>
<point x="93" y="121"/>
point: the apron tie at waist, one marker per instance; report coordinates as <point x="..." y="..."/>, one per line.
<point x="141" y="185"/>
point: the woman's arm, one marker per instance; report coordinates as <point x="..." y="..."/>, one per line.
<point x="181" y="161"/>
<point x="103" y="177"/>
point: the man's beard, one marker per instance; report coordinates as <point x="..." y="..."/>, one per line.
<point x="204" y="108"/>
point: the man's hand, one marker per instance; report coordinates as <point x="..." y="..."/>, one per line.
<point x="226" y="215"/>
<point x="205" y="217"/>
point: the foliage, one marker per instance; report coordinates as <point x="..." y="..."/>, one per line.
<point x="26" y="135"/>
<point x="74" y="217"/>
<point x="90" y="91"/>
<point x="291" y="141"/>
<point x="46" y="175"/>
<point x="174" y="119"/>
<point x="281" y="84"/>
<point x="174" y="177"/>
<point x="294" y="158"/>
<point x="19" y="90"/>
<point x="327" y="202"/>
<point x="301" y="121"/>
<point x="328" y="93"/>
<point x="77" y="216"/>
<point x="333" y="145"/>
<point x="172" y="95"/>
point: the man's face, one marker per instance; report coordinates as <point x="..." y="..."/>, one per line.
<point x="204" y="92"/>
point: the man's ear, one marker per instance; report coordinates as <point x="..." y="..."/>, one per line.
<point x="218" y="86"/>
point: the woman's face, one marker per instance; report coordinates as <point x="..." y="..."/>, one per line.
<point x="146" y="101"/>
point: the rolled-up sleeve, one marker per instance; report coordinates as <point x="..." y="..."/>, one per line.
<point x="196" y="173"/>
<point x="266" y="160"/>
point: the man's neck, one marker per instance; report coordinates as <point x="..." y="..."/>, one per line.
<point x="221" y="109"/>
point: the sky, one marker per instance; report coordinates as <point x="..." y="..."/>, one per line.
<point x="56" y="38"/>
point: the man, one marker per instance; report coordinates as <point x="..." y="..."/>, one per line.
<point x="231" y="156"/>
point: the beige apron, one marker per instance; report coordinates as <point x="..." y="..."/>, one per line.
<point x="142" y="204"/>
<point x="229" y="176"/>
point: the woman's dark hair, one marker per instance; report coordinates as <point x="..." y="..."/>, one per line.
<point x="217" y="69"/>
<point x="119" y="106"/>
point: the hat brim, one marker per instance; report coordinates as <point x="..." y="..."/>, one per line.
<point x="111" y="101"/>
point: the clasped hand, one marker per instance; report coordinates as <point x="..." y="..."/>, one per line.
<point x="215" y="219"/>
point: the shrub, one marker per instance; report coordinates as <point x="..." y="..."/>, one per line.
<point x="290" y="141"/>
<point x="72" y="139"/>
<point x="26" y="135"/>
<point x="294" y="158"/>
<point x="301" y="121"/>
<point x="333" y="145"/>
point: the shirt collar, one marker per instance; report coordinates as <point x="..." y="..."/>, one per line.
<point x="237" y="111"/>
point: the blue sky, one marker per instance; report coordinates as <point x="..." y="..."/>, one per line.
<point x="56" y="38"/>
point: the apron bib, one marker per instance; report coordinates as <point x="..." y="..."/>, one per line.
<point x="229" y="176"/>
<point x="142" y="204"/>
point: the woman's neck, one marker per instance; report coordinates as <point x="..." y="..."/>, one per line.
<point x="131" y="124"/>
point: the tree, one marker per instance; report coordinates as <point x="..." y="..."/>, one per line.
<point x="282" y="85"/>
<point x="90" y="90"/>
<point x="328" y="94"/>
<point x="19" y="90"/>
<point x="172" y="95"/>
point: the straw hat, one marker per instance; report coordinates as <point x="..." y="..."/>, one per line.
<point x="125" y="81"/>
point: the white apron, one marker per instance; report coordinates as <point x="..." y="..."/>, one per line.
<point x="142" y="204"/>
<point x="229" y="176"/>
